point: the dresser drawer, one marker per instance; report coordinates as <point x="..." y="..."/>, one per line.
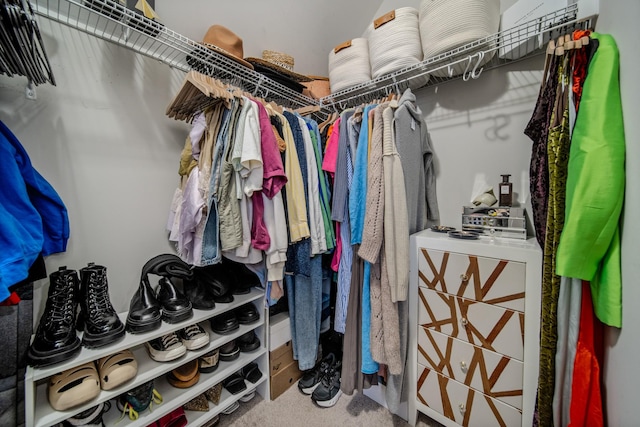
<point x="463" y="404"/>
<point x="490" y="280"/>
<point x="491" y="373"/>
<point x="487" y="326"/>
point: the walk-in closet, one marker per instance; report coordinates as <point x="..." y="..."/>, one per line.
<point x="385" y="213"/>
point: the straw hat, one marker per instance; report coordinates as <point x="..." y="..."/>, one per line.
<point x="278" y="62"/>
<point x="349" y="64"/>
<point x="448" y="24"/>
<point x="225" y="42"/>
<point x="394" y="41"/>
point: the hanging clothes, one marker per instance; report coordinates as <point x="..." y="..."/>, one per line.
<point x="558" y="155"/>
<point x="33" y="218"/>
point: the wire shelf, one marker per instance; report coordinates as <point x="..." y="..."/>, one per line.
<point x="111" y="21"/>
<point x="502" y="48"/>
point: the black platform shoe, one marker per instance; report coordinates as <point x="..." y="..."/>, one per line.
<point x="145" y="312"/>
<point x="56" y="339"/>
<point x="101" y="323"/>
<point x="175" y="306"/>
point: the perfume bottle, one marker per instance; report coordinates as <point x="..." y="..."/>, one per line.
<point x="506" y="191"/>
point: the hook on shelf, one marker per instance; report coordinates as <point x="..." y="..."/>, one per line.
<point x="30" y="90"/>
<point x="466" y="75"/>
<point x="475" y="75"/>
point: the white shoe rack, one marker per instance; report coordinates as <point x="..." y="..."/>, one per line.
<point x="39" y="412"/>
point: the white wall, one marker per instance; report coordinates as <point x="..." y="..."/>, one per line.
<point x="101" y="138"/>
<point x="476" y="129"/>
<point x="621" y="375"/>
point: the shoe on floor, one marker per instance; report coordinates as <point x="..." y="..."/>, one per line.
<point x="166" y="348"/>
<point x="328" y="392"/>
<point x="193" y="337"/>
<point x="311" y="378"/>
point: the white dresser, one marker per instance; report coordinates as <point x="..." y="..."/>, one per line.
<point x="474" y="324"/>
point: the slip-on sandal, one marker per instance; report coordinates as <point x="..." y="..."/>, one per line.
<point x="198" y="403"/>
<point x="229" y="351"/>
<point x="213" y="394"/>
<point x="251" y="372"/>
<point x="231" y="408"/>
<point x="247" y="397"/>
<point x="248" y="341"/>
<point x="224" y="323"/>
<point x="74" y="387"/>
<point x="209" y="362"/>
<point x="116" y="369"/>
<point x="234" y="384"/>
<point x="247" y="314"/>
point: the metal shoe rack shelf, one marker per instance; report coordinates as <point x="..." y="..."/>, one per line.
<point x="40" y="414"/>
<point x="111" y="21"/>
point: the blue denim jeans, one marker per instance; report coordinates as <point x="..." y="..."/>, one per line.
<point x="305" y="310"/>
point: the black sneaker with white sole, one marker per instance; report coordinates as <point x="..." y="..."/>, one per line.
<point x="328" y="392"/>
<point x="193" y="337"/>
<point x="311" y="379"/>
<point x="166" y="348"/>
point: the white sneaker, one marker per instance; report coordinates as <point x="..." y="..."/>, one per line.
<point x="193" y="337"/>
<point x="166" y="348"/>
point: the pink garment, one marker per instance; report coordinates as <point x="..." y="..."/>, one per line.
<point x="273" y="178"/>
<point x="335" y="261"/>
<point x="259" y="234"/>
<point x="331" y="152"/>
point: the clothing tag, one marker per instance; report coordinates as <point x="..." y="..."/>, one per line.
<point x="413" y="124"/>
<point x="390" y="16"/>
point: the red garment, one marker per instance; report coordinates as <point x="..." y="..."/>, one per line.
<point x="586" y="400"/>
<point x="580" y="62"/>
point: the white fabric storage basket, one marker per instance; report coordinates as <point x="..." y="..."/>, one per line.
<point x="349" y="64"/>
<point x="448" y="24"/>
<point x="394" y="41"/>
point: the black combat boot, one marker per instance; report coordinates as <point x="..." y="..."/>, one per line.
<point x="56" y="338"/>
<point x="101" y="323"/>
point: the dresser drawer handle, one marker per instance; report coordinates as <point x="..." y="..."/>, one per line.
<point x="464" y="322"/>
<point x="462" y="408"/>
<point x="464" y="277"/>
<point x="463" y="367"/>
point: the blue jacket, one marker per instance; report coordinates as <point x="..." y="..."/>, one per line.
<point x="33" y="218"/>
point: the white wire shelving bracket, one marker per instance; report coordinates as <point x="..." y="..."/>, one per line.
<point x="110" y="21"/>
<point x="505" y="47"/>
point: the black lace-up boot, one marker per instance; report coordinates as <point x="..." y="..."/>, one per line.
<point x="100" y="321"/>
<point x="56" y="339"/>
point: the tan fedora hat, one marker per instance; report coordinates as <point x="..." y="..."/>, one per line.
<point x="226" y="42"/>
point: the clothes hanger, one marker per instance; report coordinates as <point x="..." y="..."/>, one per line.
<point x="303" y="111"/>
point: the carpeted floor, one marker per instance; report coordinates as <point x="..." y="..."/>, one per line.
<point x="292" y="408"/>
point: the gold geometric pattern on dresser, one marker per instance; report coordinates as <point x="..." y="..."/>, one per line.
<point x="488" y="280"/>
<point x="464" y="405"/>
<point x="491" y="373"/>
